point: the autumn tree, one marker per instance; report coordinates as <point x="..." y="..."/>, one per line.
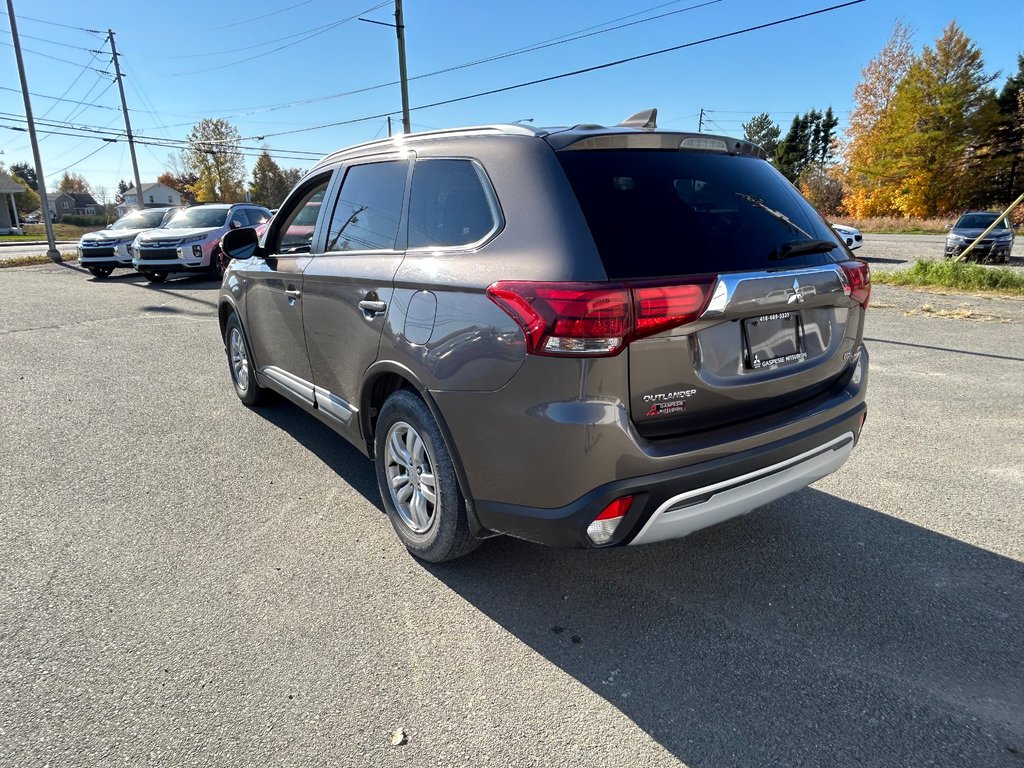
<point x="268" y="186"/>
<point x="214" y="155"/>
<point x="872" y="195"/>
<point x="764" y="132"/>
<point x="73" y="182"/>
<point x="934" y="127"/>
<point x="181" y="181"/>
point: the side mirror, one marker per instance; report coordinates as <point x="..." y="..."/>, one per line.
<point x="240" y="243"/>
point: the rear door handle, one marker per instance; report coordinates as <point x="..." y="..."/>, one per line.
<point x="293" y="294"/>
<point x="371" y="308"/>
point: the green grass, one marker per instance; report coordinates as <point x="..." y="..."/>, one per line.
<point x="956" y="275"/>
<point x="28" y="261"/>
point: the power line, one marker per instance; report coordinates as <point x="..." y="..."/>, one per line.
<point x="45" y="55"/>
<point x="55" y="24"/>
<point x="80" y="160"/>
<point x="561" y="39"/>
<point x="257" y="18"/>
<point x="51" y="42"/>
<point x="54" y="98"/>
<point x="316" y="31"/>
<point x="582" y="71"/>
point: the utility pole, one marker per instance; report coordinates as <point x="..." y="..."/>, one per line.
<point x="399" y="26"/>
<point x="51" y="243"/>
<point x="700" y="124"/>
<point x="127" y="122"/>
<point x="389" y="126"/>
<point x="400" y="29"/>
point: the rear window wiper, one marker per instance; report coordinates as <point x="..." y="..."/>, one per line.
<point x="802" y="247"/>
<point x="777" y="215"/>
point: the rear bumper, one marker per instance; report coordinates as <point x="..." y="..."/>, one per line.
<point x="678" y="502"/>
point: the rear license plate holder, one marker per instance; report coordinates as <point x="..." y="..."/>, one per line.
<point x="771" y="341"/>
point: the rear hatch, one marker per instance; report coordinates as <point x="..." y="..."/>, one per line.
<point x="770" y="303"/>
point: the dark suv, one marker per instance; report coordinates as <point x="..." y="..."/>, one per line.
<point x="583" y="337"/>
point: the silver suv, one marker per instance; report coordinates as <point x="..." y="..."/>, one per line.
<point x="190" y="242"/>
<point x="104" y="251"/>
<point x="584" y="337"/>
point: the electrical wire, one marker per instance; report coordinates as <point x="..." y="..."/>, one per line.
<point x="55" y="24"/>
<point x="560" y="40"/>
<point x="257" y="18"/>
<point x="315" y="32"/>
<point x="44" y="55"/>
<point x="51" y="42"/>
<point x="576" y="72"/>
<point x="80" y="160"/>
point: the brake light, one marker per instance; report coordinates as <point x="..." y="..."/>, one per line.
<point x="597" y="319"/>
<point x="858" y="286"/>
<point x="660" y="307"/>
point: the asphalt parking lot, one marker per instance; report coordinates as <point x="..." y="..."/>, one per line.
<point x="186" y="582"/>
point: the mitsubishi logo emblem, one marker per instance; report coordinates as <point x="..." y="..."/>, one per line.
<point x="797" y="295"/>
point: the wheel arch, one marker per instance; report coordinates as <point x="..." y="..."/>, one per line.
<point x="380" y="381"/>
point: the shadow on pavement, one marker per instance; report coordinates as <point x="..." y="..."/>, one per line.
<point x="327" y="445"/>
<point x="814" y="632"/>
<point x="944" y="349"/>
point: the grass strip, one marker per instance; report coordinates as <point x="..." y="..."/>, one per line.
<point x="28" y="261"/>
<point x="957" y="275"/>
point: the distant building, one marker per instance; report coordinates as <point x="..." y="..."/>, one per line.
<point x="9" y="224"/>
<point x="79" y="203"/>
<point x="155" y="195"/>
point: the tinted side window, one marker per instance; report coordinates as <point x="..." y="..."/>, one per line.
<point x="239" y="217"/>
<point x="369" y="207"/>
<point x="296" y="221"/>
<point x="256" y="216"/>
<point x="448" y="204"/>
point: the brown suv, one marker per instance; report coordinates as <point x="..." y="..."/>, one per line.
<point x="584" y="337"/>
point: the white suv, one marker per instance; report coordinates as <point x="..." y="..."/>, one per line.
<point x="104" y="251"/>
<point x="190" y="242"/>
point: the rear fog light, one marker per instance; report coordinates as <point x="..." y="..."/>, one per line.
<point x="605" y="524"/>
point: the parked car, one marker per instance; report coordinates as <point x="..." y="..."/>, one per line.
<point x="996" y="246"/>
<point x="852" y="237"/>
<point x="31" y="218"/>
<point x="584" y="337"/>
<point x="190" y="241"/>
<point x="104" y="251"/>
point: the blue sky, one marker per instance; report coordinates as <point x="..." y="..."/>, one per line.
<point x="189" y="60"/>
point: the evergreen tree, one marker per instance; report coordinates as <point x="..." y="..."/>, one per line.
<point x="26" y="173"/>
<point x="122" y="187"/>
<point x="268" y="186"/>
<point x="763" y="131"/>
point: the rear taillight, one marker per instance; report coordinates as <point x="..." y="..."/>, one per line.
<point x="858" y="276"/>
<point x="597" y="319"/>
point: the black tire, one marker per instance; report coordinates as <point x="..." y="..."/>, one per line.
<point x="246" y="387"/>
<point x="446" y="535"/>
<point x="218" y="263"/>
<point x="155" y="277"/>
<point x="101" y="272"/>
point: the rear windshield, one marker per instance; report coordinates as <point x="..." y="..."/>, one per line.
<point x="659" y="213"/>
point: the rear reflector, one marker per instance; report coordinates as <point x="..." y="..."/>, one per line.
<point x="605" y="524"/>
<point x="858" y="286"/>
<point x="597" y="319"/>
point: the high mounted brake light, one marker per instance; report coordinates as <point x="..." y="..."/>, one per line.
<point x="598" y="319"/>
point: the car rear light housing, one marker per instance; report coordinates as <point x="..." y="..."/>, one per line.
<point x="858" y="281"/>
<point x="598" y="319"/>
<point x="605" y="524"/>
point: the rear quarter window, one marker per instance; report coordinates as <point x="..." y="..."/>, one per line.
<point x="449" y="205"/>
<point x="659" y="213"/>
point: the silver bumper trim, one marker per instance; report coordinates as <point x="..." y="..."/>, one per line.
<point x="702" y="507"/>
